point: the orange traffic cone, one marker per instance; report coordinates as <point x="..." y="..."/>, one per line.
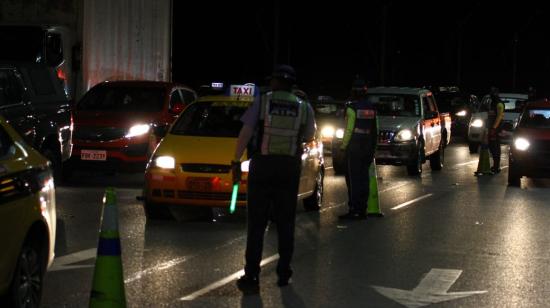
<point x="108" y="282"/>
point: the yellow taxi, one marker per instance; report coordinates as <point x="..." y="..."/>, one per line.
<point x="191" y="165"/>
<point x="27" y="219"/>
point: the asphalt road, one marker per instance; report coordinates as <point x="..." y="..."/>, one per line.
<point x="448" y="239"/>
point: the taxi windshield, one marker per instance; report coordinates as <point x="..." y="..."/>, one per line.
<point x="536" y="118"/>
<point x="396" y="105"/>
<point x="211" y="119"/>
<point x="123" y="99"/>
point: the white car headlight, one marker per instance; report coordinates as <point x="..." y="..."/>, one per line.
<point x="138" y="130"/>
<point x="327" y="131"/>
<point x="339" y="133"/>
<point x="461" y="113"/>
<point x="521" y="144"/>
<point x="165" y="162"/>
<point x="245" y="166"/>
<point x="404" y="135"/>
<point x="477" y="123"/>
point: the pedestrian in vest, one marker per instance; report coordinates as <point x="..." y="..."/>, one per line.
<point x="494" y="124"/>
<point x="282" y="122"/>
<point x="359" y="144"/>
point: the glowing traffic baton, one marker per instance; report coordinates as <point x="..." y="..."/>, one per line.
<point x="234" y="194"/>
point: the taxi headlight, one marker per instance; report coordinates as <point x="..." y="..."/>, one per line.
<point x="46" y="195"/>
<point x="404" y="135"/>
<point x="245" y="166"/>
<point x="461" y="113"/>
<point x="339" y="133"/>
<point x="165" y="162"/>
<point x="477" y="123"/>
<point x="327" y="132"/>
<point x="138" y="130"/>
<point x="521" y="144"/>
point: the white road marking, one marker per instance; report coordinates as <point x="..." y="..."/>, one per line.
<point x="402" y="205"/>
<point x="63" y="263"/>
<point x="431" y="289"/>
<point x="467" y="163"/>
<point x="224" y="281"/>
<point x="326" y="168"/>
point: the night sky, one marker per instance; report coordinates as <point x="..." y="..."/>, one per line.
<point x="330" y="43"/>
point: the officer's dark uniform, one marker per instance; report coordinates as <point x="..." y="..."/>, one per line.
<point x="494" y="139"/>
<point x="359" y="143"/>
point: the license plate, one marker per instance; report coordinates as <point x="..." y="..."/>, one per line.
<point x="93" y="155"/>
<point x="199" y="184"/>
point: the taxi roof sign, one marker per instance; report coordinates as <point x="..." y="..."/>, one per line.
<point x="242" y="90"/>
<point x="217" y="85"/>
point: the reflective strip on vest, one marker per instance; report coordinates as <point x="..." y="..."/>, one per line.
<point x="283" y="115"/>
<point x="365" y="114"/>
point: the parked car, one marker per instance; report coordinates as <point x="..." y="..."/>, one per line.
<point x="34" y="102"/>
<point x="530" y="149"/>
<point x="118" y="124"/>
<point x="190" y="167"/>
<point x="330" y="118"/>
<point x="27" y="219"/>
<point x="411" y="129"/>
<point x="513" y="105"/>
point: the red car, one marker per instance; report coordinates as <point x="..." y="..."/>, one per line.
<point x="530" y="149"/>
<point x="118" y="124"/>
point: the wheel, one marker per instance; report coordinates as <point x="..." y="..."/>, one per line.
<point x="415" y="167"/>
<point x="26" y="286"/>
<point x="156" y="211"/>
<point x="438" y="158"/>
<point x="315" y="201"/>
<point x="514" y="177"/>
<point x="474" y="147"/>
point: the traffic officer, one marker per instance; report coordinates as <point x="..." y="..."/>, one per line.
<point x="494" y="123"/>
<point x="359" y="144"/>
<point x="280" y="122"/>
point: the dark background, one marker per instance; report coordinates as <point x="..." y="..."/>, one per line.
<point x="329" y="43"/>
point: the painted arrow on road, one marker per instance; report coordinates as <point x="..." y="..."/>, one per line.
<point x="432" y="289"/>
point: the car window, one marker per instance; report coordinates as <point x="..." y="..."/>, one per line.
<point x="211" y="119"/>
<point x="11" y="89"/>
<point x="123" y="99"/>
<point x="536" y="118"/>
<point x="399" y="105"/>
<point x="6" y="144"/>
<point x="175" y="99"/>
<point x="431" y="103"/>
<point x="41" y="81"/>
<point x="188" y="96"/>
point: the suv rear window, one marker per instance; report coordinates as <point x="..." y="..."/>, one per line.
<point x="123" y="99"/>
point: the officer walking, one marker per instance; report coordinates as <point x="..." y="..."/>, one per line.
<point x="280" y="122"/>
<point x="359" y="144"/>
<point x="494" y="124"/>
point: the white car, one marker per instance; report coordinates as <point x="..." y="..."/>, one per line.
<point x="513" y="104"/>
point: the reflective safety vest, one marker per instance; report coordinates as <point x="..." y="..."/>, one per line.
<point x="365" y="117"/>
<point x="284" y="115"/>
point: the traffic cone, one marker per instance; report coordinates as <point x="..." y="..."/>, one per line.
<point x="373" y="204"/>
<point x="108" y="283"/>
<point x="484" y="164"/>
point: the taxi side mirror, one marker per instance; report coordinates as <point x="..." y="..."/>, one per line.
<point x="160" y="131"/>
<point x="177" y="108"/>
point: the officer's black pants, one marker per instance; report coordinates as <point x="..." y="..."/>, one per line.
<point x="359" y="156"/>
<point x="273" y="184"/>
<point x="494" y="148"/>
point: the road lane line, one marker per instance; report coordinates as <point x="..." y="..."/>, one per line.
<point x="393" y="187"/>
<point x="402" y="205"/>
<point x="467" y="163"/>
<point x="326" y="168"/>
<point x="224" y="281"/>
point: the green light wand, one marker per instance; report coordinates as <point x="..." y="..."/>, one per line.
<point x="234" y="194"/>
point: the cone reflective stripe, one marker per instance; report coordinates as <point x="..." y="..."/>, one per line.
<point x="234" y="195"/>
<point x="108" y="282"/>
<point x="373" y="204"/>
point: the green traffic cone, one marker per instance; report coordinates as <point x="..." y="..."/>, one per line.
<point x="108" y="281"/>
<point x="373" y="204"/>
<point x="484" y="164"/>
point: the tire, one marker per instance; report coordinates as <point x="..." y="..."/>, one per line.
<point x="415" y="167"/>
<point x="438" y="158"/>
<point x="474" y="147"/>
<point x="28" y="277"/>
<point x="315" y="201"/>
<point x="514" y="177"/>
<point x="156" y="211"/>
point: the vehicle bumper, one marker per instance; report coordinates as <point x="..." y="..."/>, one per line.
<point x="120" y="156"/>
<point x="530" y="164"/>
<point x="396" y="154"/>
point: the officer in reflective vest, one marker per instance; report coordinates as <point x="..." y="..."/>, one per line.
<point x="494" y="124"/>
<point x="282" y="122"/>
<point x="359" y="144"/>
